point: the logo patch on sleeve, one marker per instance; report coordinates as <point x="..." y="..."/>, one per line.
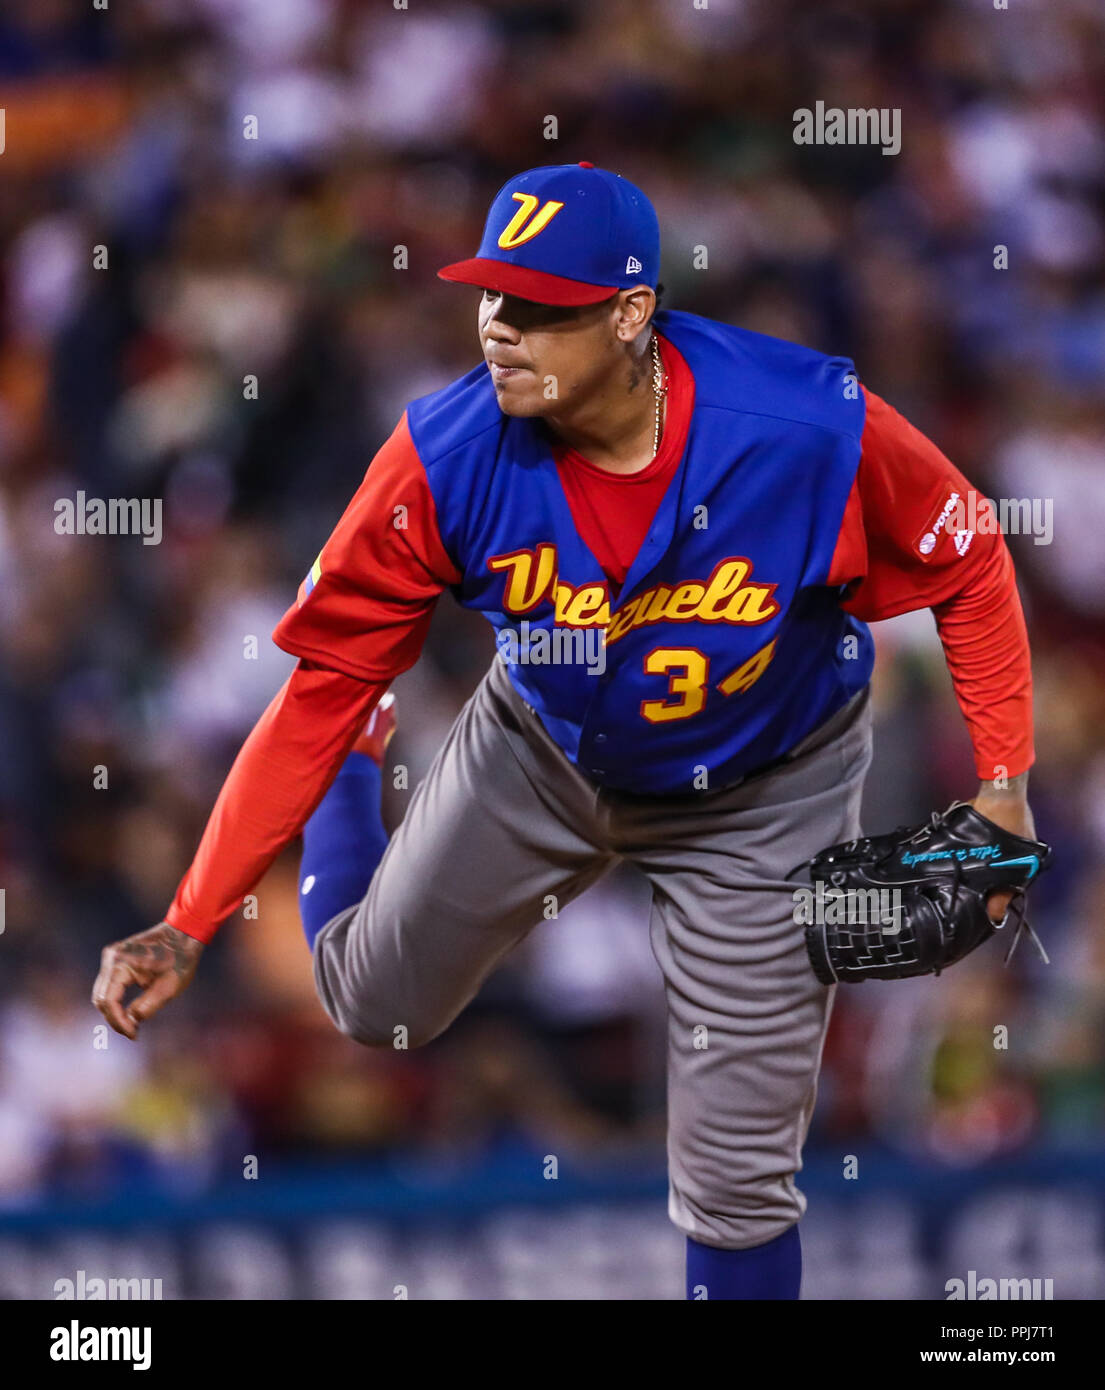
<point x="941" y="522"/>
<point x="312" y="579"/>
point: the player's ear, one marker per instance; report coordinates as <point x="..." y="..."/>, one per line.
<point x="635" y="309"/>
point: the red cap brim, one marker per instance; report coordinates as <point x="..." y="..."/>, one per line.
<point x="525" y="284"/>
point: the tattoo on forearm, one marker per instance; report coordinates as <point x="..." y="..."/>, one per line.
<point x="163" y="945"/>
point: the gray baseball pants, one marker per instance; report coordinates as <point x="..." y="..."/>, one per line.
<point x="503" y="822"/>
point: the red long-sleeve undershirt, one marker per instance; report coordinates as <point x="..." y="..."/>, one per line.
<point x="902" y="486"/>
<point x="282" y="772"/>
<point x="294" y="752"/>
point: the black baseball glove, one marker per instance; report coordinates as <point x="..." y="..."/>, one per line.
<point x="914" y="901"/>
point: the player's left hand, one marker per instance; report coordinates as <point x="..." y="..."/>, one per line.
<point x="1008" y="808"/>
<point x="960" y="878"/>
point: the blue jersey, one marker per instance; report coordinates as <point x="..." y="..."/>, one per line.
<point x="725" y="646"/>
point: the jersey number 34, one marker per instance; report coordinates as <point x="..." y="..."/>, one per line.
<point x="688" y="673"/>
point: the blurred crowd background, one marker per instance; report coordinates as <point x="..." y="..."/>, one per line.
<point x="275" y="257"/>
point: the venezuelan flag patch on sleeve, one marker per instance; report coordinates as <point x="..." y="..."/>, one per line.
<point x="312" y="578"/>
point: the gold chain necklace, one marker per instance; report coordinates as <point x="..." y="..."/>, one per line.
<point x="660" y="390"/>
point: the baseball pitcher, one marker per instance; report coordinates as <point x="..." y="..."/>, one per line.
<point x="679" y="531"/>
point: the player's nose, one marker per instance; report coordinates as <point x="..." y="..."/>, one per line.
<point x="497" y="329"/>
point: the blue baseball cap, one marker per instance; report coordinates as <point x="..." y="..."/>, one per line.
<point x="565" y="234"/>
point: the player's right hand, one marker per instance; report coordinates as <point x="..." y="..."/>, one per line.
<point x="160" y="962"/>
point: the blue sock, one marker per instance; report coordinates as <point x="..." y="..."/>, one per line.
<point x="343" y="842"/>
<point x="772" y="1270"/>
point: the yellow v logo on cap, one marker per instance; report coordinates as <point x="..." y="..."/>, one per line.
<point x="513" y="235"/>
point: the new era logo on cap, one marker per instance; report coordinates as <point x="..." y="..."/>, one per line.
<point x="561" y="235"/>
